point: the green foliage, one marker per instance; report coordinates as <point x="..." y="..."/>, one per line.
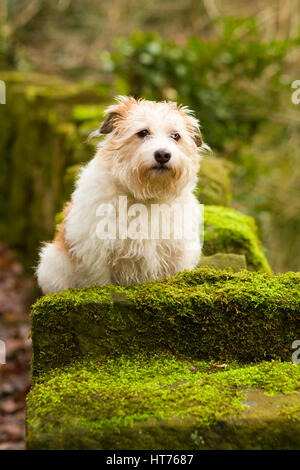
<point x="214" y="77"/>
<point x="267" y="186"/>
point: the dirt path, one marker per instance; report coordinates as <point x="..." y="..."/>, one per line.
<point x="17" y="292"/>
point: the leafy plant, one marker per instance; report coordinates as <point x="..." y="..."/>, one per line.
<point x="232" y="82"/>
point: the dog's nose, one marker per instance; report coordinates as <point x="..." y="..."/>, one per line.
<point x="162" y="156"/>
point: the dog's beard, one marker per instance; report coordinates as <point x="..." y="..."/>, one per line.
<point x="151" y="182"/>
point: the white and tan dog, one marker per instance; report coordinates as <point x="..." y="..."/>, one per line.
<point x="150" y="156"/>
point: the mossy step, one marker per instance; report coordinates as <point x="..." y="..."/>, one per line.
<point x="165" y="403"/>
<point x="202" y="314"/>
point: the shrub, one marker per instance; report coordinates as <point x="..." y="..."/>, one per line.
<point x="223" y="80"/>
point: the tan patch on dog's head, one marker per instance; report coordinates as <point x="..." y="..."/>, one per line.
<point x="115" y="113"/>
<point x="151" y="148"/>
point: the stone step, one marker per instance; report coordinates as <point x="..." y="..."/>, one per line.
<point x="224" y="261"/>
<point x="202" y="314"/>
<point x="161" y="402"/>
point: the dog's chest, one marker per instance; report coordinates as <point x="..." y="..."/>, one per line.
<point x="146" y="247"/>
<point x="136" y="261"/>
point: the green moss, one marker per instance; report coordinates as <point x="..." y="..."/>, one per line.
<point x="156" y="402"/>
<point x="201" y="314"/>
<point x="228" y="231"/>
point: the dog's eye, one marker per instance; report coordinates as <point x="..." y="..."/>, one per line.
<point x="175" y="136"/>
<point x="143" y="133"/>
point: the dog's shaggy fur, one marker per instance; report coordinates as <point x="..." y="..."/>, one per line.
<point x="125" y="165"/>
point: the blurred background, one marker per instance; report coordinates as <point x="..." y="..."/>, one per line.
<point x="62" y="61"/>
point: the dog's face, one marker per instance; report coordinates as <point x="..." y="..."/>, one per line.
<point x="151" y="148"/>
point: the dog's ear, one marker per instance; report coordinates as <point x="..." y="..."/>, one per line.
<point x="192" y="124"/>
<point x="108" y="125"/>
<point x="198" y="138"/>
<point x="194" y="128"/>
<point x="116" y="112"/>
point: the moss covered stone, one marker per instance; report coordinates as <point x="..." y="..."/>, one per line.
<point x="213" y="186"/>
<point x="165" y="365"/>
<point x="202" y="314"/>
<point x="161" y="402"/>
<point x="229" y="231"/>
<point x="224" y="261"/>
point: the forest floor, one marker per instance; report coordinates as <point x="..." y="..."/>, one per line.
<point x="17" y="292"/>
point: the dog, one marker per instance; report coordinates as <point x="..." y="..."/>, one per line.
<point x="149" y="158"/>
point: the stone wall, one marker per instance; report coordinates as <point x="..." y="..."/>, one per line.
<point x="43" y="127"/>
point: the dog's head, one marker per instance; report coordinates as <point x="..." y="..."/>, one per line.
<point x="152" y="148"/>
